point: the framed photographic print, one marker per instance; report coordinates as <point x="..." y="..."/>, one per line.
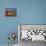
<point x="10" y="11"/>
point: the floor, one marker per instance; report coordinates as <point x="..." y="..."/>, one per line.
<point x="30" y="43"/>
<point x="7" y="45"/>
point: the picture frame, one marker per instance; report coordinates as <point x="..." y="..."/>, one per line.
<point x="11" y="12"/>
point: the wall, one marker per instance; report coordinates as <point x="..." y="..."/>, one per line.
<point x="7" y="24"/>
<point x="28" y="12"/>
<point x="31" y="11"/>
